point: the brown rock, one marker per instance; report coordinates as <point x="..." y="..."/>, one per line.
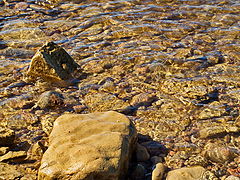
<point x="191" y="173"/>
<point x="89" y="146"/>
<point x="14" y="156"/>
<point x="50" y="99"/>
<point x="52" y="63"/>
<point x="218" y="153"/>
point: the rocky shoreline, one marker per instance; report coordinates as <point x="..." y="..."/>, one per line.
<point x="171" y="67"/>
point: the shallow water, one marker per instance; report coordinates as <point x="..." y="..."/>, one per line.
<point x="175" y="61"/>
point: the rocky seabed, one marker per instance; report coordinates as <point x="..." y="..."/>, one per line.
<point x="120" y="90"/>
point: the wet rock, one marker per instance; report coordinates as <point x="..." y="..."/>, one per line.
<point x="16" y="102"/>
<point x="197" y="160"/>
<point x="21" y="6"/>
<point x="214" y="109"/>
<point x="21" y="119"/>
<point x="104" y="102"/>
<point x="14" y="156"/>
<point x="143" y="99"/>
<point x="17" y="52"/>
<point x="158" y="172"/>
<point x="214" y="131"/>
<point x="142" y="153"/>
<point x="7" y="137"/>
<point x="9" y="171"/>
<point x="220" y="154"/>
<point x="50" y="99"/>
<point x="52" y="63"/>
<point x="186" y="173"/>
<point x="101" y="144"/>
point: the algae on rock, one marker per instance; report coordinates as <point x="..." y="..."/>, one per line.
<point x="52" y="63"/>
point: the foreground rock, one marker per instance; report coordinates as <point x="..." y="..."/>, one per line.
<point x="90" y="146"/>
<point x="52" y="63"/>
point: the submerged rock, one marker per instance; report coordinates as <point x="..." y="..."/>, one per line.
<point x="14" y="156"/>
<point x="52" y="63"/>
<point x="220" y="154"/>
<point x="188" y="173"/>
<point x="50" y="99"/>
<point x="90" y="146"/>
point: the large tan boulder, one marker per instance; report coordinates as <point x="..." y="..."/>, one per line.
<point x="94" y="146"/>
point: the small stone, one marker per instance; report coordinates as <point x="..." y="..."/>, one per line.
<point x="21" y="6"/>
<point x="52" y="63"/>
<point x="214" y="131"/>
<point x="50" y="99"/>
<point x="158" y="172"/>
<point x="3" y="150"/>
<point x="143" y="99"/>
<point x="142" y="153"/>
<point x="186" y="173"/>
<point x="79" y="108"/>
<point x="14" y="156"/>
<point x="7" y="137"/>
<point x="220" y="154"/>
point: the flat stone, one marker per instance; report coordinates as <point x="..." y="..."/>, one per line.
<point x="89" y="146"/>
<point x="14" y="156"/>
<point x="186" y="173"/>
<point x="214" y="131"/>
<point x="52" y="62"/>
